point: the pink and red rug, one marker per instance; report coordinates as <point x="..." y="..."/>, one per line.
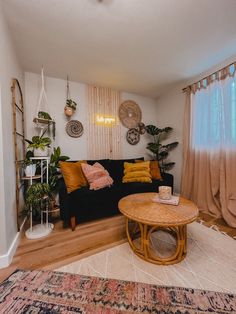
<point x="45" y="292"/>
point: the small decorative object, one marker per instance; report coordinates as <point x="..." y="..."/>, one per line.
<point x="174" y="200"/>
<point x="160" y="152"/>
<point x="70" y="107"/>
<point x="74" y="128"/>
<point x="133" y="136"/>
<point x="165" y="192"/>
<point x="141" y="128"/>
<point x="130" y="114"/>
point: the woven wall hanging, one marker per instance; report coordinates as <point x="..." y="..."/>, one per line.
<point x="130" y="114"/>
<point x="74" y="128"/>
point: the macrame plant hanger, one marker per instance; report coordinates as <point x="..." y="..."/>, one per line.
<point x="43" y="123"/>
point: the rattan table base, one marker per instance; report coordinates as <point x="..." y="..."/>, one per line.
<point x="146" y="217"/>
<point x="144" y="249"/>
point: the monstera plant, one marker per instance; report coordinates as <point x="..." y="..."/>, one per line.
<point x="160" y="151"/>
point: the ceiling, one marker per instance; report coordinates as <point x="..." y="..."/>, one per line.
<point x="140" y="46"/>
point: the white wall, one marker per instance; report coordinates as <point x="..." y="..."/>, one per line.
<point x="170" y="109"/>
<point x="76" y="148"/>
<point x="9" y="68"/>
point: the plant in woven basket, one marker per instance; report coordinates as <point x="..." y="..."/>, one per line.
<point x="160" y="151"/>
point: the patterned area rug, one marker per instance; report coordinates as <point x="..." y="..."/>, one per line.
<point x="41" y="292"/>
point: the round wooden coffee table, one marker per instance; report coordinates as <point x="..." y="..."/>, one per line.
<point x="145" y="217"/>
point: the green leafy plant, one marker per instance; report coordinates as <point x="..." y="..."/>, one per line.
<point x="44" y="115"/>
<point x="37" y="196"/>
<point x="39" y="141"/>
<point x="54" y="174"/>
<point x="72" y="104"/>
<point x="27" y="161"/>
<point x="160" y="151"/>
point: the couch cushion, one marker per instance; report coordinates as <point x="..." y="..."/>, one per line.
<point x="137" y="172"/>
<point x="154" y="169"/>
<point x="116" y="168"/>
<point x="97" y="176"/>
<point x="73" y="175"/>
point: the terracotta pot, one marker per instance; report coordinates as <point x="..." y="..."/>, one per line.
<point x="68" y="111"/>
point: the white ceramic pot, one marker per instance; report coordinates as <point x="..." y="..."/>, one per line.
<point x="39" y="152"/>
<point x="30" y="170"/>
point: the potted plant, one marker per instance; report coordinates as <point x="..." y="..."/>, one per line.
<point x="70" y="107"/>
<point x="54" y="169"/>
<point x="37" y="196"/>
<point x="159" y="150"/>
<point x="40" y="145"/>
<point x="29" y="166"/>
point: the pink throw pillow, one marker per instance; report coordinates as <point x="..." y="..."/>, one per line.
<point x="97" y="176"/>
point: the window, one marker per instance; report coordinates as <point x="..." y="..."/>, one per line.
<point x="214" y="115"/>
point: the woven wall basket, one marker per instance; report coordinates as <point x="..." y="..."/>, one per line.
<point x="74" y="128"/>
<point x="130" y="114"/>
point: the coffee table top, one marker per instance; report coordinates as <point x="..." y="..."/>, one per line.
<point x="141" y="208"/>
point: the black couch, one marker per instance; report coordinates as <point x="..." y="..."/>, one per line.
<point x="85" y="205"/>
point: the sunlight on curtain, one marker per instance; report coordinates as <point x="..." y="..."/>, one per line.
<point x="214" y="116"/>
<point x="104" y="131"/>
<point x="209" y="165"/>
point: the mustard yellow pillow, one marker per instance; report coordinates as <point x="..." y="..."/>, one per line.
<point x="154" y="169"/>
<point x="137" y="172"/>
<point x="138" y="179"/>
<point x="141" y="166"/>
<point x="73" y="175"/>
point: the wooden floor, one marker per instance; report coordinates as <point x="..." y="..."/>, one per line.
<point x="63" y="246"/>
<point x="211" y="221"/>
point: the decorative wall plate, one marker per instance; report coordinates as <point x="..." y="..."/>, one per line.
<point x="130" y="114"/>
<point x="74" y="128"/>
<point x="133" y="136"/>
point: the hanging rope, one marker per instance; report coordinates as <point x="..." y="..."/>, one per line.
<point x="67" y="88"/>
<point x="45" y="110"/>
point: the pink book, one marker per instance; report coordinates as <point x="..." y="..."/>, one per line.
<point x="174" y="200"/>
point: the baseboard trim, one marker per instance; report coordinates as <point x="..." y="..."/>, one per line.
<point x="6" y="259"/>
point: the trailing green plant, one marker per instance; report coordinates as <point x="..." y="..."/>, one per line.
<point x="72" y="104"/>
<point x="37" y="197"/>
<point x="54" y="174"/>
<point x="160" y="151"/>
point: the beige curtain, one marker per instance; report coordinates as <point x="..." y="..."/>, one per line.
<point x="104" y="131"/>
<point x="209" y="172"/>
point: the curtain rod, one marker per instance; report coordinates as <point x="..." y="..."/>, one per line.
<point x="184" y="89"/>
